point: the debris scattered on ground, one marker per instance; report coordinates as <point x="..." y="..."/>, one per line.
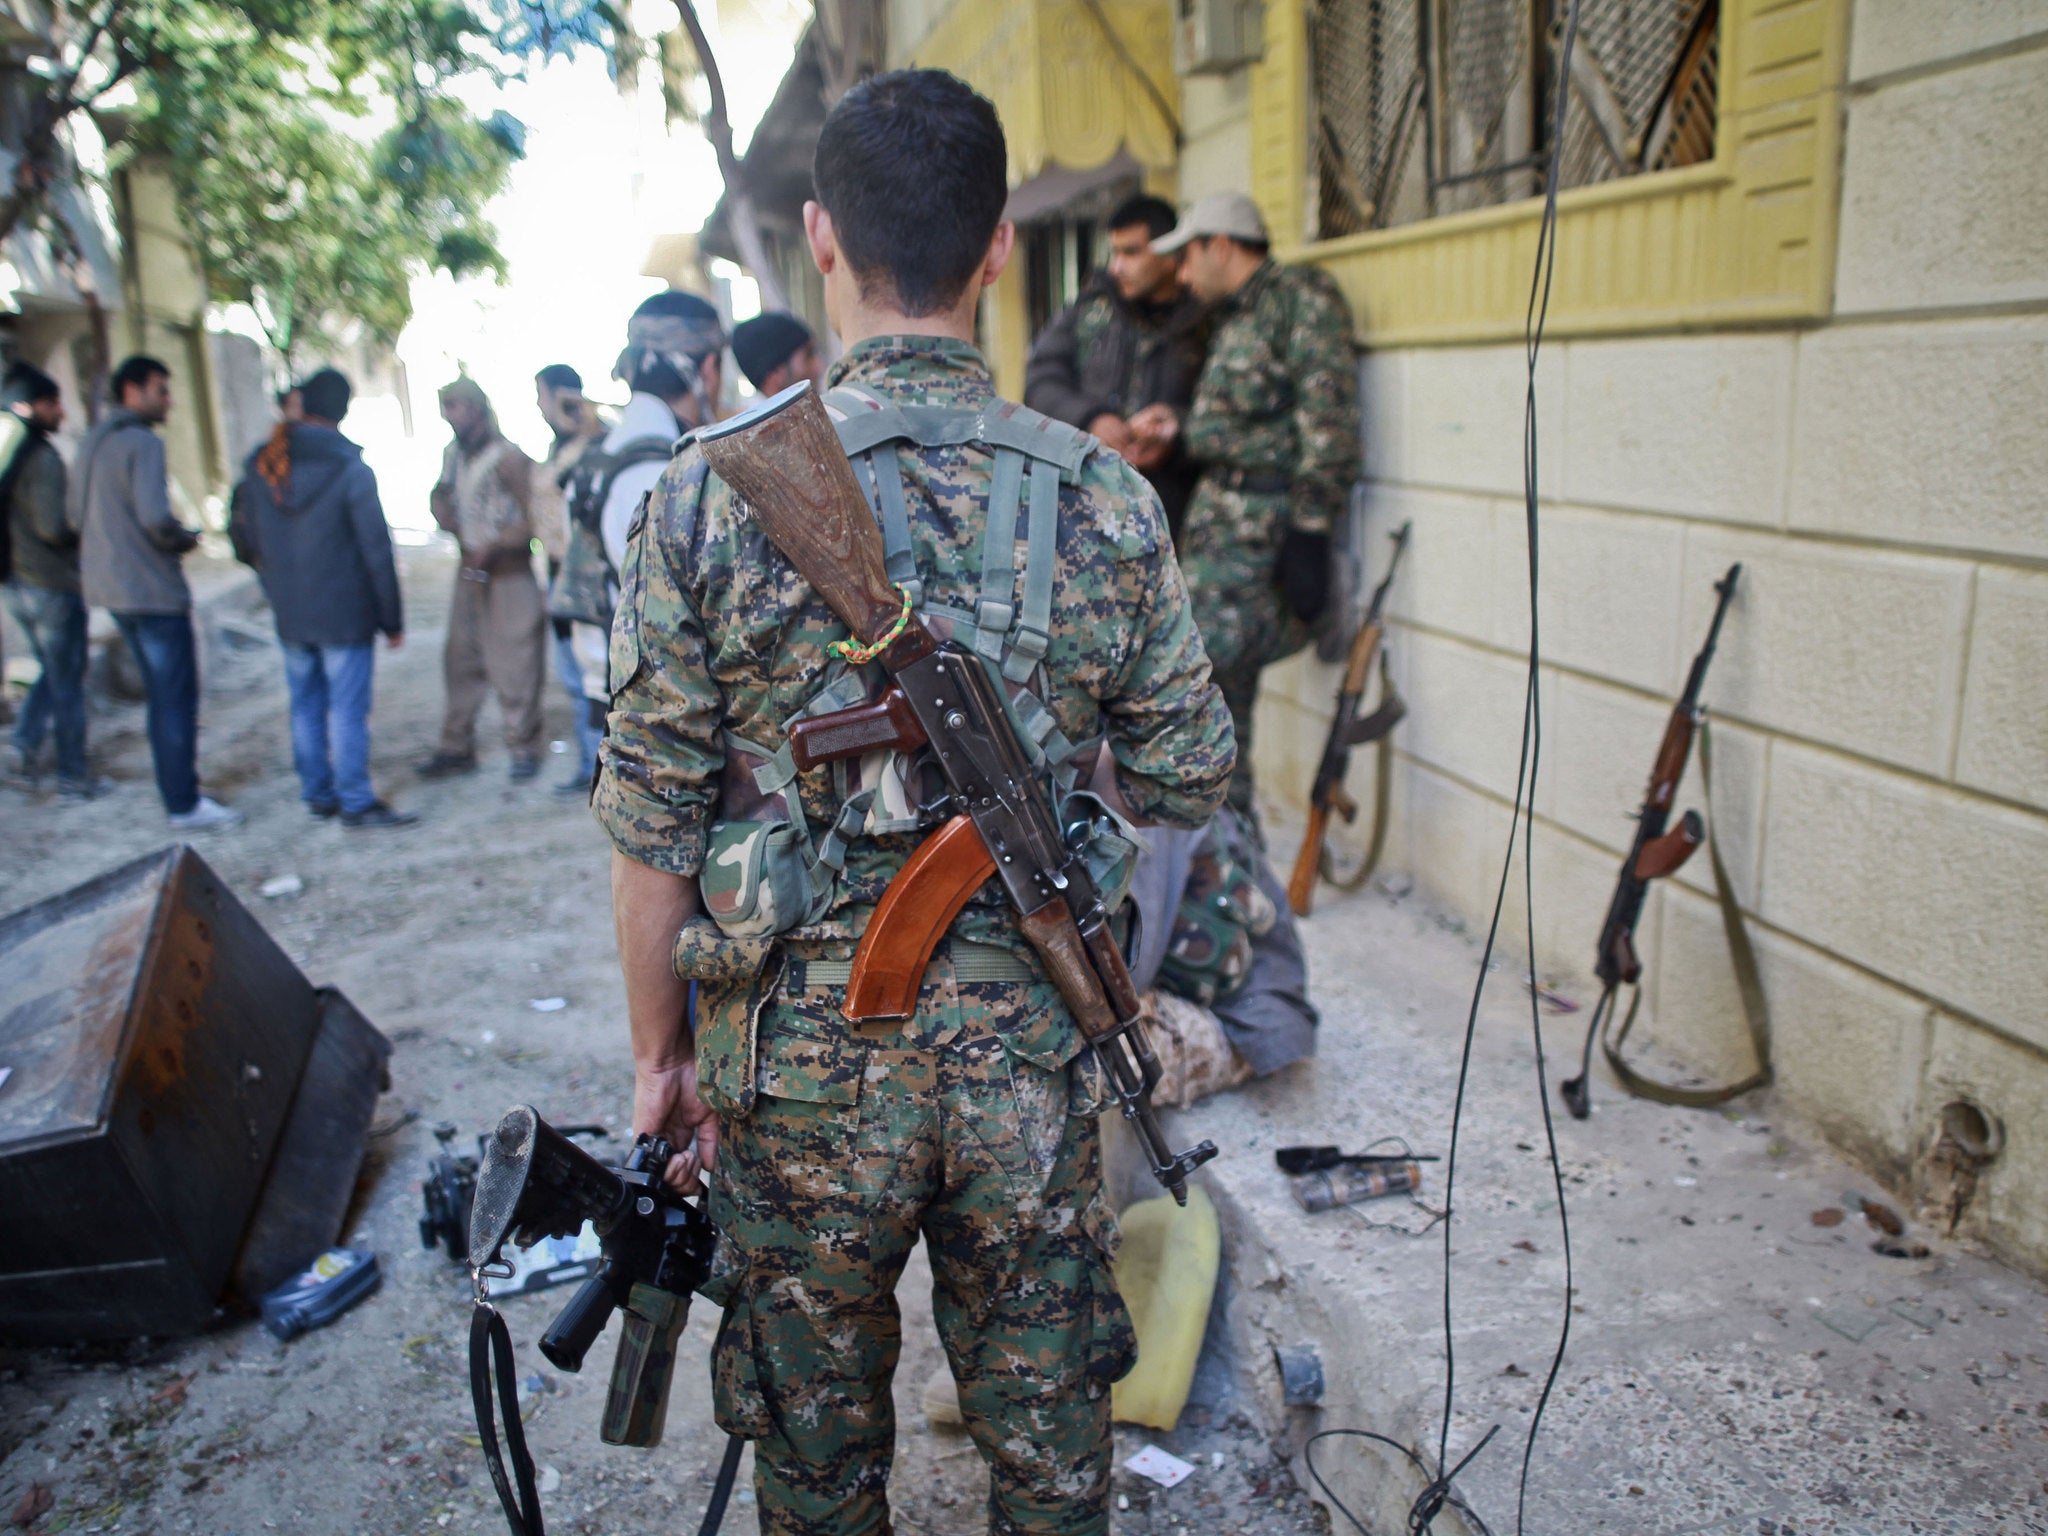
<point x="34" y="1504"/>
<point x="1827" y="1216"/>
<point x="278" y="886"/>
<point x="548" y="1004"/>
<point x="1882" y="1218"/>
<point x="1161" y="1467"/>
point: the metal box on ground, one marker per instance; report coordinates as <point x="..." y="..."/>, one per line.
<point x="154" y="1038"/>
<point x="313" y="1173"/>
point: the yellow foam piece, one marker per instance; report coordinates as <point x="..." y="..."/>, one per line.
<point x="1166" y="1271"/>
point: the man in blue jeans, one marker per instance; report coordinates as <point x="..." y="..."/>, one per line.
<point x="42" y="584"/>
<point x="307" y="518"/>
<point x="130" y="548"/>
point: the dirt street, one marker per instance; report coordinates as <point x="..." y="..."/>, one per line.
<point x="446" y="935"/>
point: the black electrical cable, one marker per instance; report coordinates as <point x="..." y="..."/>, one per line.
<point x="1546" y="261"/>
<point x="1522" y="817"/>
<point x="1434" y="1497"/>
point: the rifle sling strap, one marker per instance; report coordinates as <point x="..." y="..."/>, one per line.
<point x="490" y="1343"/>
<point x="1755" y="1012"/>
<point x="1392" y="708"/>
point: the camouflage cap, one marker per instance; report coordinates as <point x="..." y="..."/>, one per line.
<point x="680" y="341"/>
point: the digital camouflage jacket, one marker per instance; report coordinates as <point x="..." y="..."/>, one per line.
<point x="716" y="634"/>
<point x="1279" y="394"/>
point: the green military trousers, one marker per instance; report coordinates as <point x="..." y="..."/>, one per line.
<point x="858" y="1142"/>
<point x="1230" y="543"/>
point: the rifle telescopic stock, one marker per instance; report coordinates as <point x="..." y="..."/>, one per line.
<point x="785" y="461"/>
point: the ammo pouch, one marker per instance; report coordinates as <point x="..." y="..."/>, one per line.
<point x="757" y="879"/>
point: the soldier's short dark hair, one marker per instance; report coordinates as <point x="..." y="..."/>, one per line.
<point x="1155" y="213"/>
<point x="136" y="372"/>
<point x="25" y="384"/>
<point x="561" y="376"/>
<point x="912" y="167"/>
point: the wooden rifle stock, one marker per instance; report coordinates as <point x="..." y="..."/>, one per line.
<point x="798" y="483"/>
<point x="1301" y="883"/>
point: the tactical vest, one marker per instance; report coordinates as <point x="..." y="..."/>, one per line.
<point x="587" y="589"/>
<point x="767" y="870"/>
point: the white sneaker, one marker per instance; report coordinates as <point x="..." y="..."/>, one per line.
<point x="209" y="815"/>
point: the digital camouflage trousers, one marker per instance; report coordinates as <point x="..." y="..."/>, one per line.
<point x="1230" y="543"/>
<point x="857" y="1143"/>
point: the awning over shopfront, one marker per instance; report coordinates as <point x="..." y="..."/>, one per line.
<point x="1072" y="95"/>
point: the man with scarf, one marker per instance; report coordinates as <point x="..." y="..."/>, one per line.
<point x="673" y="362"/>
<point x="497" y="621"/>
<point x="307" y="519"/>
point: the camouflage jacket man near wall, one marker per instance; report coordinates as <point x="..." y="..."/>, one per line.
<point x="1135" y="337"/>
<point x="830" y="1149"/>
<point x="1275" y="428"/>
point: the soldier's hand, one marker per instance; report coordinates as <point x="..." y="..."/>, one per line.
<point x="1303" y="571"/>
<point x="666" y="1104"/>
<point x="1157" y="421"/>
<point x="1113" y="431"/>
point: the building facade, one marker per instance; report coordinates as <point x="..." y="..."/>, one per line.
<point x="1800" y="320"/>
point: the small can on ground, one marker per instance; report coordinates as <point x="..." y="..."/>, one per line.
<point x="321" y="1292"/>
<point x="1349" y="1183"/>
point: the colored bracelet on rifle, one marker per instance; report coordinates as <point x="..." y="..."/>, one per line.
<point x="861" y="655"/>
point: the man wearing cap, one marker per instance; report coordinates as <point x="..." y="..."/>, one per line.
<point x="1135" y="337"/>
<point x="1275" y="427"/>
<point x="774" y="351"/>
<point x="307" y="518"/>
<point x="497" y="621"/>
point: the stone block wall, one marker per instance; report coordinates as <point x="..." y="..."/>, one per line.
<point x="1881" y="690"/>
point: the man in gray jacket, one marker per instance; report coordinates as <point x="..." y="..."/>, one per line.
<point x="130" y="548"/>
<point x="307" y="519"/>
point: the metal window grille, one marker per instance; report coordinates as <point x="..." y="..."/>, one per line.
<point x="1427" y="107"/>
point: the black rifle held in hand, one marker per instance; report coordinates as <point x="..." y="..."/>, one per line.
<point x="536" y="1183"/>
<point x="1658" y="850"/>
<point x="1347" y="730"/>
<point x="785" y="461"/>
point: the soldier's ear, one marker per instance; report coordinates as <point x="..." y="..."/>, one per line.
<point x="1000" y="245"/>
<point x="824" y="240"/>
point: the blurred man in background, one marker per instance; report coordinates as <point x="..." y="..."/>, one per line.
<point x="497" y="622"/>
<point x="131" y="546"/>
<point x="774" y="351"/>
<point x="43" y="584"/>
<point x="558" y="391"/>
<point x="308" y="520"/>
<point x="674" y="363"/>
<point x="1134" y="338"/>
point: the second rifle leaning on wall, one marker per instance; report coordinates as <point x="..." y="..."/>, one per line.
<point x="1348" y="730"/>
<point x="1659" y="849"/>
